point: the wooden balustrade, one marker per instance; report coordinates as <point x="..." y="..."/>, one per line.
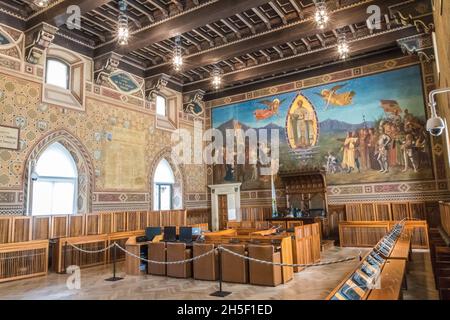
<point x="23" y="260"/>
<point x="368" y="233"/>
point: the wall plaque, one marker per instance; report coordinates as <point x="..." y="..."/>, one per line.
<point x="9" y="138"/>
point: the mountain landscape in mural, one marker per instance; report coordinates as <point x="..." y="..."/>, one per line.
<point x="363" y="130"/>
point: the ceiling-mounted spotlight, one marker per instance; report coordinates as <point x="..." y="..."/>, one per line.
<point x="41" y="3"/>
<point x="177" y="59"/>
<point x="321" y="15"/>
<point x="122" y="25"/>
<point x="343" y="47"/>
<point x="216" y="78"/>
<point x="435" y="125"/>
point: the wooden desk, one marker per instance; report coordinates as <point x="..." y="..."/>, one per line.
<point x="402" y="248"/>
<point x="132" y="264"/>
<point x="285" y="248"/>
<point x="392" y="277"/>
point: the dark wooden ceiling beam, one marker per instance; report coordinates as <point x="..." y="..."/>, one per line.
<point x="141" y="8"/>
<point x="294" y="31"/>
<point x="278" y="11"/>
<point x="184" y="22"/>
<point x="263" y="18"/>
<point x="57" y="15"/>
<point x="359" y="46"/>
<point x="160" y="7"/>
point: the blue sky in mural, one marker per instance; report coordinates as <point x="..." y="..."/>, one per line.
<point x="403" y="85"/>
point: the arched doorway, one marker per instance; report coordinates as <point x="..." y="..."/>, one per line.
<point x="54" y="185"/>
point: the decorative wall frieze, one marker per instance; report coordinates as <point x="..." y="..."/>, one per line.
<point x="104" y="66"/>
<point x="154" y="85"/>
<point x="193" y="103"/>
<point x="37" y="41"/>
<point x="420" y="45"/>
<point x="420" y="24"/>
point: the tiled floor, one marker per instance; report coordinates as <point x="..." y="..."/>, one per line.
<point x="311" y="284"/>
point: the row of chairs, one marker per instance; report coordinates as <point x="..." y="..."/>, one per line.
<point x="440" y="260"/>
<point x="234" y="269"/>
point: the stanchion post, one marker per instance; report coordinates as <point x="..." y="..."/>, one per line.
<point x="220" y="293"/>
<point x="64" y="258"/>
<point x="114" y="278"/>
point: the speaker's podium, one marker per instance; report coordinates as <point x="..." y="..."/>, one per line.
<point x="133" y="265"/>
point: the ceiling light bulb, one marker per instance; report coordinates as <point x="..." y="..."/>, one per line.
<point x="42" y="3"/>
<point x="216" y="79"/>
<point x="122" y="26"/>
<point x="321" y="15"/>
<point x="177" y="60"/>
<point x="343" y="47"/>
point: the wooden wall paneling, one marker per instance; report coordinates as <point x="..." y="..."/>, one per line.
<point x="60" y="226"/>
<point x="119" y="221"/>
<point x="5" y="229"/>
<point x="142" y="220"/>
<point x="383" y="211"/>
<point x="93" y="224"/>
<point x="400" y="211"/>
<point x="23" y="260"/>
<point x="368" y="212"/>
<point x="361" y="234"/>
<point x="198" y="216"/>
<point x="42" y="227"/>
<point x="76" y="225"/>
<point x="21" y="229"/>
<point x="419" y="233"/>
<point x="336" y="214"/>
<point x="106" y="222"/>
<point x="353" y="211"/>
<point x="154" y="219"/>
<point x="132" y="221"/>
<point x="418" y="210"/>
<point x="165" y="218"/>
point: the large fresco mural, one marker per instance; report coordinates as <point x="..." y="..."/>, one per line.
<point x="363" y="130"/>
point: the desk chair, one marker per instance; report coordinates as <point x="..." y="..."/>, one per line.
<point x="178" y="252"/>
<point x="234" y="268"/>
<point x="206" y="268"/>
<point x="157" y="252"/>
<point x="261" y="273"/>
<point x="170" y="234"/>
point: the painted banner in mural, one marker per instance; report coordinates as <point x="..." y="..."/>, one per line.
<point x="362" y="130"/>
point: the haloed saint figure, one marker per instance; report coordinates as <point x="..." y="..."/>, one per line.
<point x="302" y="124"/>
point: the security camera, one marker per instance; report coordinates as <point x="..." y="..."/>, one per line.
<point x="435" y="126"/>
<point x="34" y="176"/>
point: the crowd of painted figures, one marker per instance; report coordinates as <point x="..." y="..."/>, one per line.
<point x="397" y="142"/>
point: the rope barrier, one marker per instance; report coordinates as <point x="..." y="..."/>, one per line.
<point x="288" y="264"/>
<point x="92" y="251"/>
<point x="214" y="250"/>
<point x="168" y="262"/>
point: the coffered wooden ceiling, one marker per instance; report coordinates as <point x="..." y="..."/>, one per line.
<point x="247" y="39"/>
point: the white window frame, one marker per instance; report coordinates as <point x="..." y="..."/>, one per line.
<point x="159" y="96"/>
<point x="53" y="180"/>
<point x="67" y="65"/>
